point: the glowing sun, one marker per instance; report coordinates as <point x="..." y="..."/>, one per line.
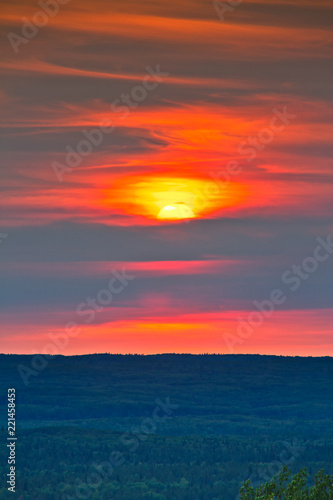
<point x="176" y="211"/>
<point x="172" y="198"/>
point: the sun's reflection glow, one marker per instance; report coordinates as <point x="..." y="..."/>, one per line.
<point x="162" y="197"/>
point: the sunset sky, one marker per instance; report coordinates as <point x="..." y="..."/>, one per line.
<point x="192" y="151"/>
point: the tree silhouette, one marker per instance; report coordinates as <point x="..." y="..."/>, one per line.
<point x="286" y="487"/>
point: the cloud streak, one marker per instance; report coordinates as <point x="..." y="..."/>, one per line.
<point x="225" y="80"/>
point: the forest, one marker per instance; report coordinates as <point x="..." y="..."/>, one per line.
<point x="165" y="427"/>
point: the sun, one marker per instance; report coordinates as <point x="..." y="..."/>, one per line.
<point x="166" y="198"/>
<point x="176" y="211"/>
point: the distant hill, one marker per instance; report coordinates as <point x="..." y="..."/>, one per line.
<point x="188" y="427"/>
<point x="232" y="394"/>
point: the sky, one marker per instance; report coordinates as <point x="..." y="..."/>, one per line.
<point x="166" y="177"/>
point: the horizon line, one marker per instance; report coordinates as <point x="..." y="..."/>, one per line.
<point x="163" y="354"/>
